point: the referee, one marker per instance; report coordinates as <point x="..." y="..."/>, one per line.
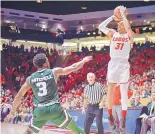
<point x="94" y="97"/>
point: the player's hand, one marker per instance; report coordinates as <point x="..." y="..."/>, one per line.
<point x="122" y="9"/>
<point x="87" y="58"/>
<point x="101" y="104"/>
<point x="9" y="117"/>
<point x="83" y="111"/>
<point x="116" y="19"/>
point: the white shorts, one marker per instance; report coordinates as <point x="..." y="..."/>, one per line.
<point x="118" y="71"/>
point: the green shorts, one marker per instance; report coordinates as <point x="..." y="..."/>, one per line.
<point x="54" y="113"/>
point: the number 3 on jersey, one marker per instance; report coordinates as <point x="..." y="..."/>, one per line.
<point x="42" y="88"/>
<point x="119" y="46"/>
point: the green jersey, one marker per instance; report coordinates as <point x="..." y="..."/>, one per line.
<point x="44" y="87"/>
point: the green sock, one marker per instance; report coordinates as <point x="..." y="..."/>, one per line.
<point x="72" y="126"/>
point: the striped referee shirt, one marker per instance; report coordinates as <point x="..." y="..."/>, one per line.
<point x="94" y="93"/>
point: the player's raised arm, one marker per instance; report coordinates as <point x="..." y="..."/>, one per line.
<point x="126" y="23"/>
<point x="103" y="27"/>
<point x="17" y="101"/>
<point x="74" y="67"/>
<point x="24" y="88"/>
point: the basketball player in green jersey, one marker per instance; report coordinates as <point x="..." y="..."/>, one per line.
<point x="46" y="99"/>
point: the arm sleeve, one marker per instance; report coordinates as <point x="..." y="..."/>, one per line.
<point x="103" y="26"/>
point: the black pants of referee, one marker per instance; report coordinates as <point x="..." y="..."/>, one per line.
<point x="92" y="112"/>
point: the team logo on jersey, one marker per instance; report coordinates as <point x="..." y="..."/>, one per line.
<point x="121" y="39"/>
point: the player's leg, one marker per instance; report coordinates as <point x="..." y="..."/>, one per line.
<point x="124" y="85"/>
<point x="124" y="103"/>
<point x="56" y="114"/>
<point x="124" y="98"/>
<point x="28" y="131"/>
<point x="110" y="96"/>
<point x="74" y="128"/>
<point x="113" y="78"/>
<point x="35" y="125"/>
<point x="116" y="118"/>
<point x="119" y="114"/>
<point x="37" y="121"/>
<point x="63" y="120"/>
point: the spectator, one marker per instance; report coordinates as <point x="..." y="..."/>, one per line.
<point x="153" y="82"/>
<point x="136" y="102"/>
<point x="145" y="94"/>
<point x="147" y="117"/>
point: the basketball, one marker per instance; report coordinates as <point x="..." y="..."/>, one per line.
<point x="118" y="14"/>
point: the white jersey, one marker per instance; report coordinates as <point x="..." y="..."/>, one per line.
<point x="120" y="46"/>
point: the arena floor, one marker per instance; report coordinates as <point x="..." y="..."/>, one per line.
<point x="20" y="129"/>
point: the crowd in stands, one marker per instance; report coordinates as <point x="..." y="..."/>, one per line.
<point x="17" y="65"/>
<point x="24" y="112"/>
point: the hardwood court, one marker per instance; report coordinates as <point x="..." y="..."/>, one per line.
<point x="20" y="129"/>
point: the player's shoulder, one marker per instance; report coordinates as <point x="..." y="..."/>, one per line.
<point x="32" y="74"/>
<point x="28" y="79"/>
<point x="49" y="70"/>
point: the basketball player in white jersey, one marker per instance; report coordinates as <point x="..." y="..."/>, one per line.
<point x="118" y="67"/>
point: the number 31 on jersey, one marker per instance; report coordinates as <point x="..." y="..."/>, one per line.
<point x="119" y="46"/>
